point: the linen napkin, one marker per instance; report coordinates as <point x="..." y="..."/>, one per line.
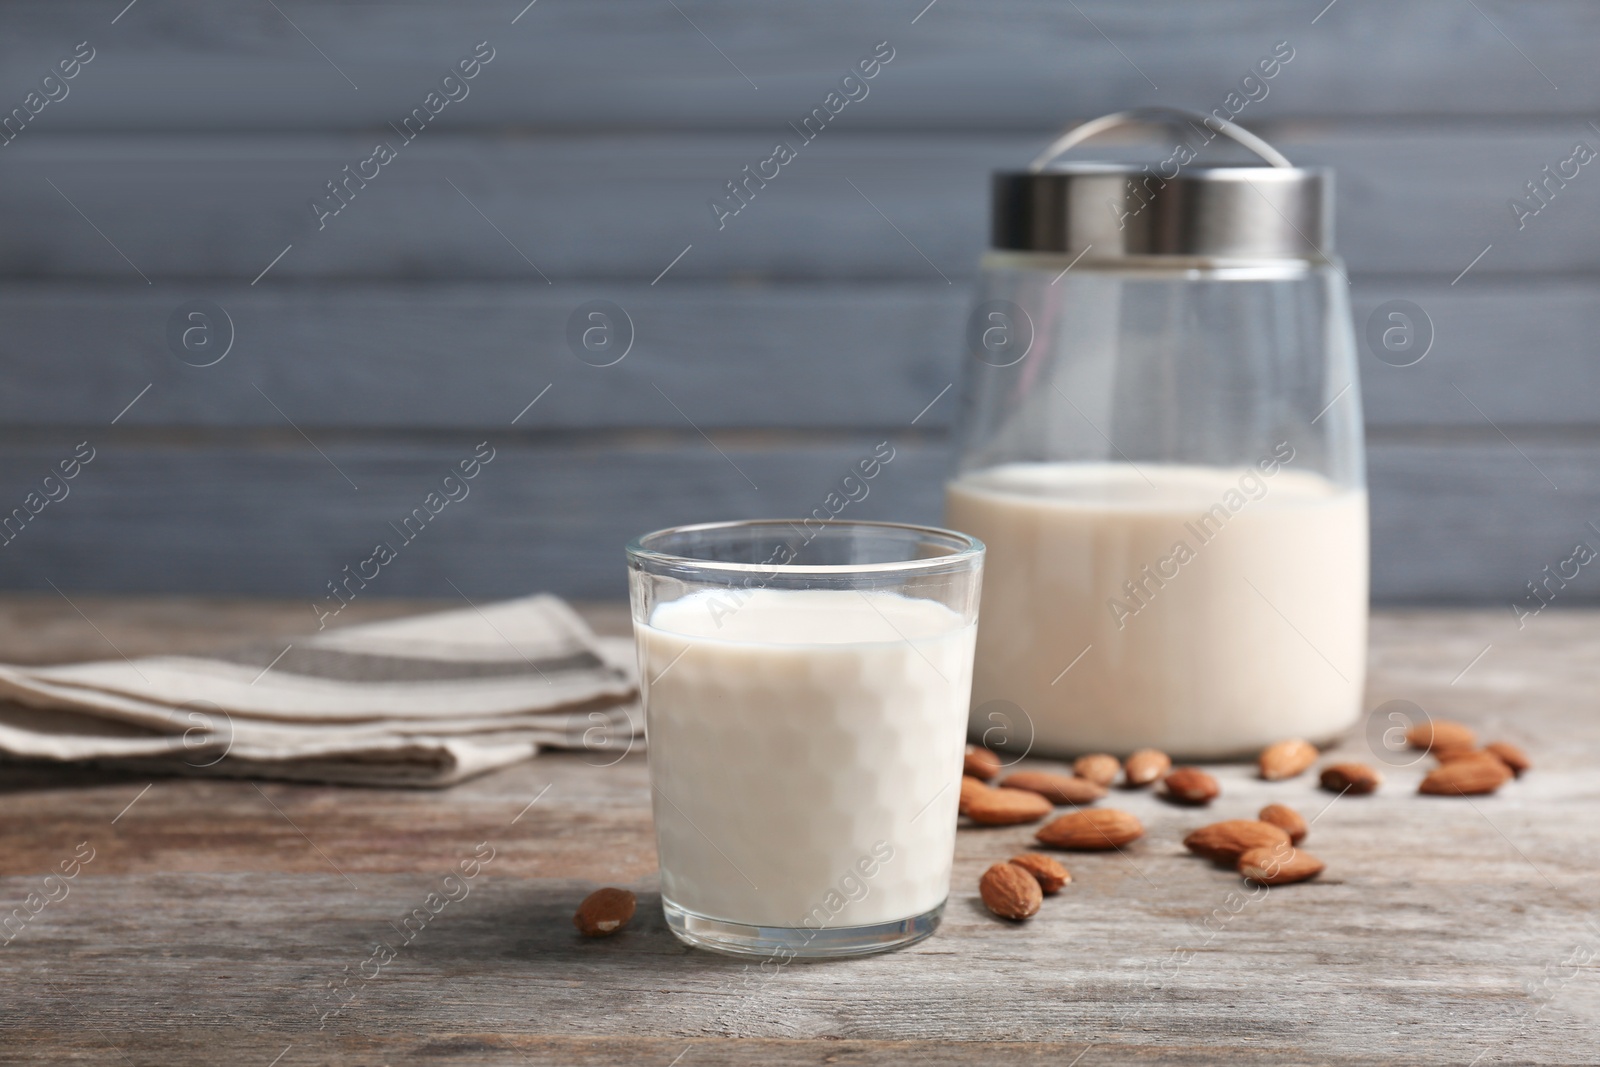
<point x="422" y="701"/>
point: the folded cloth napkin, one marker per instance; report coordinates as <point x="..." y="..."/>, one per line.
<point x="423" y="701"/>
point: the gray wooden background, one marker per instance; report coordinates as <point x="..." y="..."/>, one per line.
<point x="377" y="352"/>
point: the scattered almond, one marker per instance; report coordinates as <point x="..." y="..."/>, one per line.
<point x="1057" y="788"/>
<point x="1191" y="785"/>
<point x="1286" y="759"/>
<point x="981" y="763"/>
<point x="1511" y="755"/>
<point x="1050" y="875"/>
<point x="1091" y="829"/>
<point x="1286" y="819"/>
<point x="1225" y="842"/>
<point x="1279" y="865"/>
<point x="1144" y="767"/>
<point x="1010" y="891"/>
<point x="1495" y="770"/>
<point x="1007" y="807"/>
<point x="1350" y="778"/>
<point x="604" y="912"/>
<point x="1466" y="777"/>
<point x="1451" y="755"/>
<point x="1099" y="768"/>
<point x="970" y="787"/>
<point x="1436" y="735"/>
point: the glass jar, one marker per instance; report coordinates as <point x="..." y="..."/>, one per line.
<point x="1162" y="449"/>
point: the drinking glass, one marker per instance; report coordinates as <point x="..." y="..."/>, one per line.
<point x="806" y="688"/>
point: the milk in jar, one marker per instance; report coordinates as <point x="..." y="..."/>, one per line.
<point x="1205" y="611"/>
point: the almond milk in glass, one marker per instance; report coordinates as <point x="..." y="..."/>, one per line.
<point x="1161" y="446"/>
<point x="806" y="689"/>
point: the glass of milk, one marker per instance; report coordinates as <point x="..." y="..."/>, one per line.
<point x="806" y="689"/>
<point x="1161" y="447"/>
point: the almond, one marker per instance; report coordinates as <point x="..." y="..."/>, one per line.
<point x="604" y="912"/>
<point x="1466" y="777"/>
<point x="1479" y="755"/>
<point x="1191" y="785"/>
<point x="1144" y="767"/>
<point x="1091" y="829"/>
<point x="1225" y="842"/>
<point x="1451" y="755"/>
<point x="1057" y="788"/>
<point x="1286" y="819"/>
<point x="1286" y="759"/>
<point x="1279" y="865"/>
<point x="1050" y="874"/>
<point x="1435" y="735"/>
<point x="1510" y="755"/>
<point x="981" y="763"/>
<point x="1350" y="778"/>
<point x="1099" y="768"/>
<point x="1010" y="891"/>
<point x="1007" y="807"/>
<point x="970" y="788"/>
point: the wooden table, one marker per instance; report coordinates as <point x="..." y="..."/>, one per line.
<point x="214" y="915"/>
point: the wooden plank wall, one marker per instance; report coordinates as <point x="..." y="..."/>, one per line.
<point x="372" y="354"/>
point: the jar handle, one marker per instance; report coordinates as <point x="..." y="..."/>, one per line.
<point x="1169" y="116"/>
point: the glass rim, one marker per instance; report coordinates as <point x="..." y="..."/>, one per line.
<point x="965" y="549"/>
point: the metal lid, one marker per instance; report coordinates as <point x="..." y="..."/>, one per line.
<point x="1170" y="208"/>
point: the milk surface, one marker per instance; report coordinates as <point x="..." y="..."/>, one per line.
<point x="1216" y="610"/>
<point x="805" y="752"/>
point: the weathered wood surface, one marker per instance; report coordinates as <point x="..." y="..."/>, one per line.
<point x="1017" y="63"/>
<point x="591" y="143"/>
<point x="1457" y="514"/>
<point x="1444" y="931"/>
<point x="614" y="207"/>
<point x="798" y="356"/>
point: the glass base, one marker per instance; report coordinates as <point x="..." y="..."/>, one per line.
<point x="797" y="942"/>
